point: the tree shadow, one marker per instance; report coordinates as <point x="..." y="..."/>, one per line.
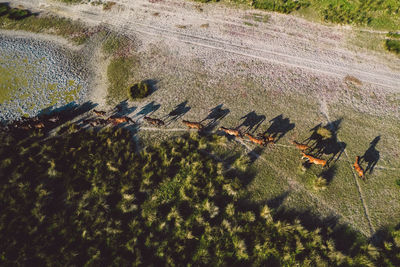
<point x="326" y="144"/>
<point x="51" y="117"/>
<point x="277" y="201"/>
<point x="371" y="156"/>
<point x="177" y="112"/>
<point x="279" y="127"/>
<point x="122" y="109"/>
<point x="252" y="121"/>
<point x="148" y="109"/>
<point x="255" y="154"/>
<point x="216" y="114"/>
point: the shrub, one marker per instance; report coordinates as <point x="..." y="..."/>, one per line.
<point x="393" y="46"/>
<point x="393" y="35"/>
<point x="324" y="132"/>
<point x="139" y="90"/>
<point x="4" y="8"/>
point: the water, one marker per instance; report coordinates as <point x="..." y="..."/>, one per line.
<point x="35" y="75"/>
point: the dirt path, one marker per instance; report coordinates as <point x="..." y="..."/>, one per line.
<point x="316" y="48"/>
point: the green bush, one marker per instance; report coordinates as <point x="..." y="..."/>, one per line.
<point x="393" y="45"/>
<point x="139" y="90"/>
<point x="4" y="8"/>
<point x="17" y="14"/>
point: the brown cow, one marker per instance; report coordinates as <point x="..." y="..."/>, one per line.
<point x="99" y="113"/>
<point x="258" y="141"/>
<point x="118" y="120"/>
<point x="193" y="125"/>
<point x="39" y="125"/>
<point x="311" y="159"/>
<point x="154" y="121"/>
<point x="300" y="146"/>
<point x="233" y="132"/>
<point x="267" y="138"/>
<point x="358" y="168"/>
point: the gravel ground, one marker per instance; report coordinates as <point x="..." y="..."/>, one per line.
<point x="49" y="75"/>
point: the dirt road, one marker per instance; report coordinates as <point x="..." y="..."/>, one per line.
<point x="229" y="33"/>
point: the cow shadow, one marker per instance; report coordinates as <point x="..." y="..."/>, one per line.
<point x="67" y="112"/>
<point x="148" y="109"/>
<point x="122" y="109"/>
<point x="216" y="114"/>
<point x="371" y="156"/>
<point x="251" y="121"/>
<point x="279" y="128"/>
<point x="326" y="143"/>
<point x="177" y="112"/>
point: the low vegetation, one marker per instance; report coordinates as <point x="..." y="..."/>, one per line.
<point x="21" y="19"/>
<point x="97" y="202"/>
<point x="380" y="14"/>
<point x="392" y="46"/>
<point x="119" y="71"/>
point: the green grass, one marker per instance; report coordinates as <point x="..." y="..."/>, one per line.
<point x="12" y="20"/>
<point x="114" y="43"/>
<point x="377" y="14"/>
<point x="119" y="75"/>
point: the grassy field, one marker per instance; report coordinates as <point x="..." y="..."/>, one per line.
<point x="362" y="114"/>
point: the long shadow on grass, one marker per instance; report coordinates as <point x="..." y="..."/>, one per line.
<point x="177" y="112"/>
<point x="214" y="117"/>
<point x="323" y="141"/>
<point x="371" y="156"/>
<point x="148" y="109"/>
<point x="122" y="109"/>
<point x="280" y="127"/>
<point x="251" y="121"/>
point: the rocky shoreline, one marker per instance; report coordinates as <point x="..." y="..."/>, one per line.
<point x="42" y="75"/>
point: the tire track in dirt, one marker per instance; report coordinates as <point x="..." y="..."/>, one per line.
<point x="263" y="55"/>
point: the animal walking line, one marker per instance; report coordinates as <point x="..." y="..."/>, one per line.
<point x="260" y="139"/>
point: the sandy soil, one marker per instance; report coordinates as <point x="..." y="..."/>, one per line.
<point x="224" y="32"/>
